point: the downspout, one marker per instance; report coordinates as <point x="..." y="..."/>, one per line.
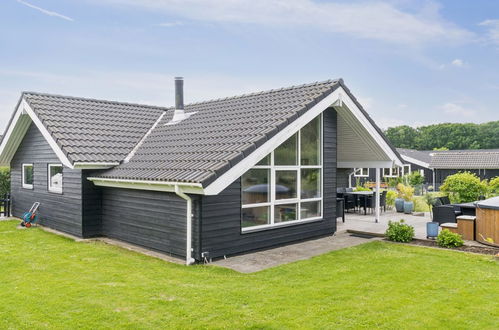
<point x="188" y="239"/>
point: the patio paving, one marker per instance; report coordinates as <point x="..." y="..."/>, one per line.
<point x="365" y="223"/>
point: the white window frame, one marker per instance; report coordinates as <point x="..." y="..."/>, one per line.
<point x="391" y="175"/>
<point x="49" y="187"/>
<point x="406" y="166"/>
<point x="25" y="185"/>
<point x="358" y="172"/>
<point x="298" y="200"/>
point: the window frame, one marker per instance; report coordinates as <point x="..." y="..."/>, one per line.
<point x="391" y="175"/>
<point x="356" y="170"/>
<point x="298" y="200"/>
<point x="23" y="176"/>
<point x="49" y="187"/>
<point x="404" y="169"/>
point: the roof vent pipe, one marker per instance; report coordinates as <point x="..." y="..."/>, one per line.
<point x="179" y="113"/>
<point x="179" y="93"/>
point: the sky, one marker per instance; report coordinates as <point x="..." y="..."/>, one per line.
<point x="408" y="62"/>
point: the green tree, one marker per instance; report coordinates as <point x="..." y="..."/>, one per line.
<point x="4" y="181"/>
<point x="402" y="136"/>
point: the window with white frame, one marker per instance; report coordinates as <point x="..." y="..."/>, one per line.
<point x="55" y="178"/>
<point x="286" y="186"/>
<point x="361" y="172"/>
<point x="407" y="169"/>
<point x="391" y="172"/>
<point x="27" y="176"/>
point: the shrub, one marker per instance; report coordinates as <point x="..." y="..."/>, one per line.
<point x="464" y="187"/>
<point x="399" y="232"/>
<point x="361" y="188"/>
<point x="494" y="186"/>
<point x="4" y="181"/>
<point x="416" y="179"/>
<point x="405" y="192"/>
<point x="393" y="182"/>
<point x="390" y="197"/>
<point x="448" y="239"/>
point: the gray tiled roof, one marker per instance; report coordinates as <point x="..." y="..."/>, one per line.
<point x="423" y="156"/>
<point x="465" y="159"/>
<point x="89" y="130"/>
<point x="220" y="134"/>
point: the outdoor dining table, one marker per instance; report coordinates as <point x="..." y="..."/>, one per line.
<point x="363" y="194"/>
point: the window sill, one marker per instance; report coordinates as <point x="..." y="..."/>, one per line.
<point x="248" y="230"/>
<point x="55" y="191"/>
<point x="27" y="187"/>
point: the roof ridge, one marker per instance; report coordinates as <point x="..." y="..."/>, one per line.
<point x="157" y="107"/>
<point x="265" y="92"/>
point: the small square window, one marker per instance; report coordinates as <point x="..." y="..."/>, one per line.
<point x="361" y="172"/>
<point x="55" y="178"/>
<point x="27" y="176"/>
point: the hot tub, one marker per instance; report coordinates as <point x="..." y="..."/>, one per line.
<point x="487" y="221"/>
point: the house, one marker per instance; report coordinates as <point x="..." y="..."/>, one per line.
<point x="437" y="165"/>
<point x="199" y="181"/>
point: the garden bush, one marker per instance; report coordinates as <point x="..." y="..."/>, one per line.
<point x="399" y="232"/>
<point x="416" y="179"/>
<point x="4" y="181"/>
<point x="494" y="186"/>
<point x="448" y="239"/>
<point x="464" y="187"/>
<point x="390" y="197"/>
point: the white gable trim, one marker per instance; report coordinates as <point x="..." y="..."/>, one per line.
<point x="415" y="161"/>
<point x="337" y="98"/>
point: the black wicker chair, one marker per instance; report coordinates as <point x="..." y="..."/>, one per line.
<point x="444" y="213"/>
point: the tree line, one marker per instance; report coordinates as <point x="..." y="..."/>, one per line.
<point x="450" y="136"/>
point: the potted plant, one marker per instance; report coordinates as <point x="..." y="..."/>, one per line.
<point x="407" y="194"/>
<point x="399" y="201"/>
<point x="431" y="226"/>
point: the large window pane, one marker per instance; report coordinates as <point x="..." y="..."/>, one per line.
<point x="310" y="143"/>
<point x="255" y="186"/>
<point x="285" y="184"/>
<point x="285" y="154"/>
<point x="310" y="210"/>
<point x="27" y="176"/>
<point x="285" y="212"/>
<point x="310" y="183"/>
<point x="255" y="216"/>
<point x="264" y="162"/>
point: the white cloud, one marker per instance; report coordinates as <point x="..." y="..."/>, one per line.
<point x="493" y="30"/>
<point x="457" y="109"/>
<point x="171" y="24"/>
<point x="458" y="62"/>
<point x="366" y="20"/>
<point x="45" y="11"/>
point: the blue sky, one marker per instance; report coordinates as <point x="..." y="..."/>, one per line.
<point x="408" y="62"/>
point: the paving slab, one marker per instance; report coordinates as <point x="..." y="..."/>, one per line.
<point x="257" y="261"/>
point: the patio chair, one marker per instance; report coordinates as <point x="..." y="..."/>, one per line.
<point x="350" y="202"/>
<point x="340" y="208"/>
<point x="444" y="213"/>
<point x="444" y="200"/>
<point x="371" y="201"/>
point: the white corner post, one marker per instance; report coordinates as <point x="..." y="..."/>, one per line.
<point x="188" y="239"/>
<point x="378" y="188"/>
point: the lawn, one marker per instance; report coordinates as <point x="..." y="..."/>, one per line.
<point x="47" y="281"/>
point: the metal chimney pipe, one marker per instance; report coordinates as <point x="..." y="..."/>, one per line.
<point x="179" y="93"/>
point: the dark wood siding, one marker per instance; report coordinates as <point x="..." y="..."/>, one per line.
<point x="59" y="211"/>
<point x="221" y="215"/>
<point x="91" y="207"/>
<point x="152" y="219"/>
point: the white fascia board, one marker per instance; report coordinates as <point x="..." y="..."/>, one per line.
<point x="354" y="109"/>
<point x="189" y="188"/>
<point x="415" y="161"/>
<point x="5" y="149"/>
<point x="365" y="164"/>
<point x="62" y="157"/>
<point x="240" y="168"/>
<point x="94" y="166"/>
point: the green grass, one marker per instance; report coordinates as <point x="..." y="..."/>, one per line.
<point x="47" y="281"/>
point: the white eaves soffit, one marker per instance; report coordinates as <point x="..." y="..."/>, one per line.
<point x="359" y="142"/>
<point x="18" y="127"/>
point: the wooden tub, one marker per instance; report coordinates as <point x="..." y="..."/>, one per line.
<point x="487" y="222"/>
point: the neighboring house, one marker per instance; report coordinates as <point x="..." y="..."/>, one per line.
<point x="216" y="178"/>
<point x="437" y="165"/>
